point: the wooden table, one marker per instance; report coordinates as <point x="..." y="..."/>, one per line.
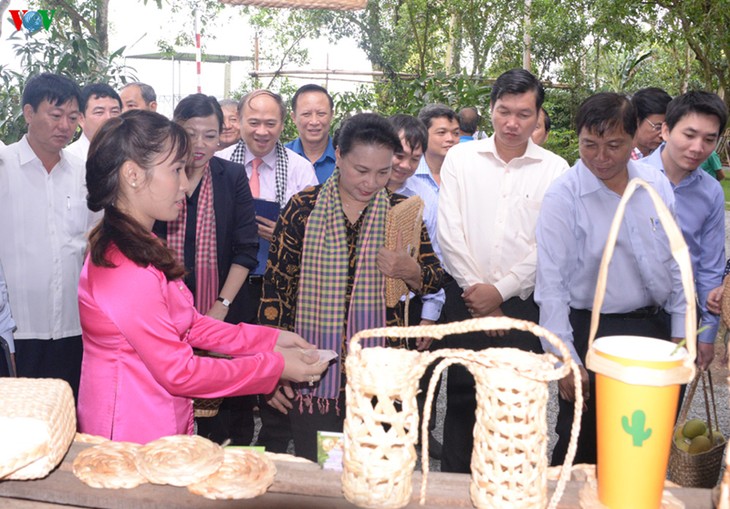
<point x="297" y="486"/>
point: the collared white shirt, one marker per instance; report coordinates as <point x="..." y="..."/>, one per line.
<point x="300" y="175"/>
<point x="488" y="213"/>
<point x="43" y="225"/>
<point x="80" y="147"/>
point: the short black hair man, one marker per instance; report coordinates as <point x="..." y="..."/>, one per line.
<point x="651" y="106"/>
<point x="692" y="127"/>
<point x="491" y="191"/>
<point x="99" y="103"/>
<point x="43" y="223"/>
<point x="442" y="124"/>
<point x="644" y="289"/>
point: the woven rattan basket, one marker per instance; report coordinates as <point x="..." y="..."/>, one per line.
<point x="37" y="426"/>
<point x="339" y="5"/>
<point x="203" y="407"/>
<point x="404" y="219"/>
<point x="206" y="407"/>
<point x="696" y="470"/>
<point x="509" y="461"/>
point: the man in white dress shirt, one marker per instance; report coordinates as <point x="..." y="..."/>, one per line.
<point x="43" y="224"/>
<point x="99" y="103"/>
<point x="490" y="196"/>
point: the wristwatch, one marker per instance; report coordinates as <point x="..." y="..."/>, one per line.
<point x="224" y="301"/>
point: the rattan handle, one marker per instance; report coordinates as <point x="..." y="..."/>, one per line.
<point x="486" y="323"/>
<point x="680" y="252"/>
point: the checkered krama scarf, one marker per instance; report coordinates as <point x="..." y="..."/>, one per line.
<point x="321" y="316"/>
<point x="206" y="249"/>
<point x="282" y="168"/>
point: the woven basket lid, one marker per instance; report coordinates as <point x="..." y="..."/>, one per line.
<point x="338" y="5"/>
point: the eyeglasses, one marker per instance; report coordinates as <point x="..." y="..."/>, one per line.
<point x="657" y="127"/>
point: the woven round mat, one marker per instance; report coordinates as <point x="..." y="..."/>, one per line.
<point x="243" y="474"/>
<point x="179" y="460"/>
<point x="108" y="465"/>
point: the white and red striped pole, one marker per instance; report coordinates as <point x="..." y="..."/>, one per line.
<point x="198" y="54"/>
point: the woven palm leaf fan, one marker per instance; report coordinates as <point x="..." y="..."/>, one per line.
<point x="337" y="5"/>
<point x="404" y="218"/>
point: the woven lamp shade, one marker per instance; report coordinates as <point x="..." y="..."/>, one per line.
<point x="337" y="5"/>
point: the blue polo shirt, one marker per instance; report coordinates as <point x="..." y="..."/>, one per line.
<point x="325" y="165"/>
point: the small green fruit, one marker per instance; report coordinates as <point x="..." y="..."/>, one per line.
<point x="681" y="443"/>
<point x="717" y="437"/>
<point x="694" y="428"/>
<point x="700" y="444"/>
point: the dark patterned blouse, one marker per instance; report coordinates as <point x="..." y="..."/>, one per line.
<point x="281" y="281"/>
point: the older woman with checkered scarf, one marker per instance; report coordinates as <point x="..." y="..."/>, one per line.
<point x="327" y="263"/>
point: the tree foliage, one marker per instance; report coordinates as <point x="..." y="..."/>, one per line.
<point x="432" y="50"/>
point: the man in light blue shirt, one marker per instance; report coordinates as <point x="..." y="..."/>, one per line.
<point x="7" y="327"/>
<point x="312" y="109"/>
<point x="691" y="129"/>
<point x="644" y="293"/>
<point x="414" y="138"/>
<point x="442" y="125"/>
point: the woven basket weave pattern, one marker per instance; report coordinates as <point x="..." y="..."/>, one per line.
<point x="510" y="437"/>
<point x="380" y="394"/>
<point x="49" y="401"/>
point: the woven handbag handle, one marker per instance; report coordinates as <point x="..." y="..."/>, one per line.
<point x="680" y="252"/>
<point x="486" y="323"/>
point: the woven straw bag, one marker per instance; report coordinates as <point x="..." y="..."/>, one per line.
<point x="509" y="461"/>
<point x="203" y="407"/>
<point x="697" y="470"/>
<point x="37" y="426"/>
<point x="405" y="219"/>
<point x="339" y="5"/>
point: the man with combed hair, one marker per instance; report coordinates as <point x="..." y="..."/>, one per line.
<point x="312" y="109"/>
<point x="491" y="191"/>
<point x="692" y="127"/>
<point x="651" y="107"/>
<point x="643" y="296"/>
<point x="99" y="103"/>
<point x="468" y="123"/>
<point x="442" y="124"/>
<point x="138" y="96"/>
<point x="43" y="224"/>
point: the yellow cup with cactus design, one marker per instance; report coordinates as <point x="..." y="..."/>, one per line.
<point x="634" y="421"/>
